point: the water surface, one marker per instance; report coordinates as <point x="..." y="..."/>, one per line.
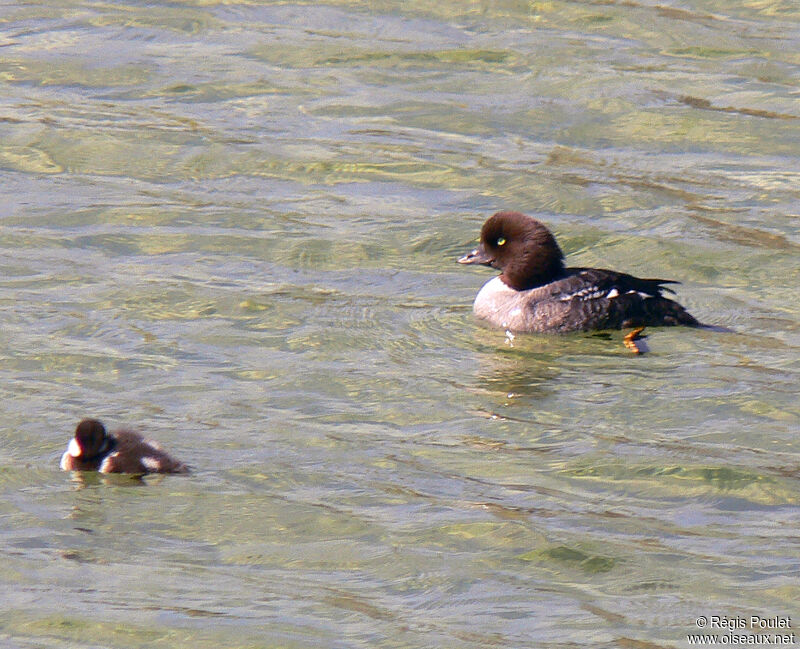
<point x="234" y="225"/>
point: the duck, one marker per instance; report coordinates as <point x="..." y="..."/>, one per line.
<point x="536" y="293"/>
<point x="123" y="451"/>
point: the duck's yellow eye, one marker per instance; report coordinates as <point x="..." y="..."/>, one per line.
<point x="501" y="241"/>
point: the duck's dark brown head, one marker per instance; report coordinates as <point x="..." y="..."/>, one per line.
<point x="90" y="440"/>
<point x="521" y="247"/>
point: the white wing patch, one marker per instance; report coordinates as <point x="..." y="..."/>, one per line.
<point x="151" y="463"/>
<point x="594" y="293"/>
<point x="105" y="466"/>
<point x="591" y="293"/>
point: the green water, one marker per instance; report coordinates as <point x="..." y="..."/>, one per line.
<point x="234" y="226"/>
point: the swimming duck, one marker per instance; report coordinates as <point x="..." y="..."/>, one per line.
<point x="123" y="451"/>
<point x="535" y="292"/>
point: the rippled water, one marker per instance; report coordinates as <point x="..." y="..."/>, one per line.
<point x="233" y="225"/>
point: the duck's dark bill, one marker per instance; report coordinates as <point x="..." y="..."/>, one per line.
<point x="477" y="256"/>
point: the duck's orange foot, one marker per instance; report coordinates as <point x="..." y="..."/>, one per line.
<point x="634" y="341"/>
